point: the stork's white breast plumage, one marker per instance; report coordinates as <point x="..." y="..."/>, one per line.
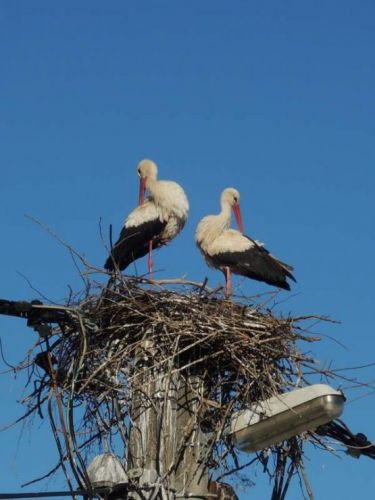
<point x="167" y="205"/>
<point x="154" y="223"/>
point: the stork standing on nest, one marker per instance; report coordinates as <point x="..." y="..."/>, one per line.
<point x="232" y="252"/>
<point x="154" y="223"/>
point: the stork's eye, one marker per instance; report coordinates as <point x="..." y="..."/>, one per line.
<point x="235" y="199"/>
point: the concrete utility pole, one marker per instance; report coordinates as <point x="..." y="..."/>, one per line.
<point x="166" y="444"/>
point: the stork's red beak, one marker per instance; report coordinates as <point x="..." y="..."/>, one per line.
<point x="142" y="189"/>
<point x="237" y="215"/>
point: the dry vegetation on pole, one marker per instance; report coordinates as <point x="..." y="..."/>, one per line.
<point x="86" y="373"/>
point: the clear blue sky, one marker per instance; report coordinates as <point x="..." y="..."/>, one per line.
<point x="274" y="98"/>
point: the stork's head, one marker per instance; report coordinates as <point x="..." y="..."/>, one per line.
<point x="231" y="197"/>
<point x="147" y="171"/>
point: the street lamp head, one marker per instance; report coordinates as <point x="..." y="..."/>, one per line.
<point x="286" y="415"/>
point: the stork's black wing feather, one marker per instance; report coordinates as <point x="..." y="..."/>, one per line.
<point x="133" y="243"/>
<point x="264" y="249"/>
<point x="256" y="263"/>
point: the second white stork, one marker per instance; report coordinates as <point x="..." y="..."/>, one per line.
<point x="154" y="223"/>
<point x="231" y="251"/>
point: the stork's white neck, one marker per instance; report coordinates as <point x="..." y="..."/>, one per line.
<point x="151" y="182"/>
<point x="226" y="211"/>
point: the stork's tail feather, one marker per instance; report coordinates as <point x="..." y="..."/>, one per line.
<point x="110" y="264"/>
<point x="117" y="263"/>
<point x="284" y="285"/>
<point x="288" y="270"/>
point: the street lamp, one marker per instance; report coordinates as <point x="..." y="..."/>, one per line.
<point x="268" y="422"/>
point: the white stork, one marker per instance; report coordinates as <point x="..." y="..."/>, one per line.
<point x="231" y="251"/>
<point x="154" y="223"/>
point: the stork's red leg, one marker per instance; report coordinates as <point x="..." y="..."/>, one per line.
<point x="228" y="283"/>
<point x="150" y="257"/>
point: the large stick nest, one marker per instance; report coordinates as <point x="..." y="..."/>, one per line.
<point x="95" y="364"/>
<point x="244" y="353"/>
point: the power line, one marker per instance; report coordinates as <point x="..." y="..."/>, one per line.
<point x="48" y="494"/>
